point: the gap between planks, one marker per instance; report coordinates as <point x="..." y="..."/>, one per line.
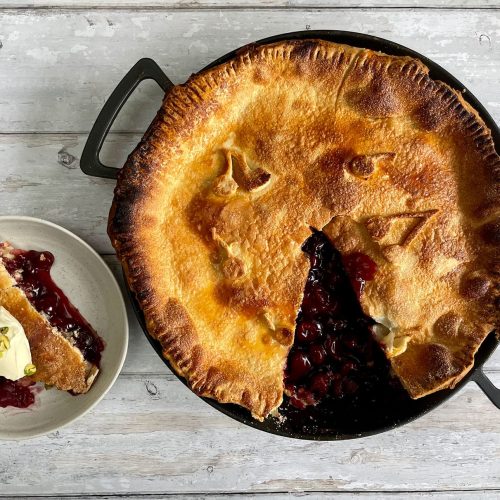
<point x="393" y="494"/>
<point x="254" y="4"/>
<point x="242" y="4"/>
<point x="64" y="7"/>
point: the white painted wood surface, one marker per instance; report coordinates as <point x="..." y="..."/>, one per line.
<point x="413" y="495"/>
<point x="58" y="67"/>
<point x="260" y="4"/>
<point x="151" y="436"/>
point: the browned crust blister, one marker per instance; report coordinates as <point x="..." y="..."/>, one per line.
<point x="212" y="207"/>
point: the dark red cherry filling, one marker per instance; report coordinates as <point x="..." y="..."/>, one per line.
<point x="360" y="269"/>
<point x="31" y="270"/>
<point x="335" y="371"/>
<point x="19" y="394"/>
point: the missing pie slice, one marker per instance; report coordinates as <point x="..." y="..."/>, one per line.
<point x="212" y="208"/>
<point x="65" y="349"/>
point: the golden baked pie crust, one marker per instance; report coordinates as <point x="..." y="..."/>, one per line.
<point x="212" y="207"/>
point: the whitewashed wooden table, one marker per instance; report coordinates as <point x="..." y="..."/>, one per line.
<point x="59" y="60"/>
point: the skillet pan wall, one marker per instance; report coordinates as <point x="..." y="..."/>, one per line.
<point x="393" y="416"/>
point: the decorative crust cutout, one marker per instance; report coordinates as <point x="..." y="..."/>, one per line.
<point x="379" y="227"/>
<point x="238" y="174"/>
<point x="364" y="165"/>
<point x="225" y="185"/>
<point x="232" y="266"/>
<point x="300" y="109"/>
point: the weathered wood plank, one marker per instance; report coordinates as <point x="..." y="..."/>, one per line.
<point x="441" y="495"/>
<point x="152" y="435"/>
<point x="290" y="4"/>
<point x="39" y="176"/>
<point x="58" y="67"/>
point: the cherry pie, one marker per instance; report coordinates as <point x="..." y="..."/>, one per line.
<point x="298" y="211"/>
<point x="65" y="349"/>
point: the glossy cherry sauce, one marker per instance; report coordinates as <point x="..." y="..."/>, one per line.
<point x="20" y="393"/>
<point x="336" y="373"/>
<point x="31" y="270"/>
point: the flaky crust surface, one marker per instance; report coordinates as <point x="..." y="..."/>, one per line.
<point x="212" y="207"/>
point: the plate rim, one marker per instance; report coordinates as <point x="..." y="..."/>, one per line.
<point x="126" y="330"/>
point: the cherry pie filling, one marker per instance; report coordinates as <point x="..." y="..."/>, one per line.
<point x="31" y="270"/>
<point x="335" y="363"/>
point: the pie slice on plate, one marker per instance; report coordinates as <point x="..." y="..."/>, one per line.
<point x="65" y="349"/>
<point x="245" y="160"/>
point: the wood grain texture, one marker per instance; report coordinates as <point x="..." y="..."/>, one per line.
<point x="290" y="4"/>
<point x="342" y="495"/>
<point x="58" y="67"/>
<point x="40" y="177"/>
<point x="152" y="435"/>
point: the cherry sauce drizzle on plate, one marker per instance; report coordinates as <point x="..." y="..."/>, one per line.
<point x="19" y="393"/>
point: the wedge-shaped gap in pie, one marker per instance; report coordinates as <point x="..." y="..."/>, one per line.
<point x="336" y="364"/>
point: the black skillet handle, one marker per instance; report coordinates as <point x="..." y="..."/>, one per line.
<point x="143" y="70"/>
<point x="487" y="387"/>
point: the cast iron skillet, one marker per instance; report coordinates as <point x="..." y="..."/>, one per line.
<point x="394" y="416"/>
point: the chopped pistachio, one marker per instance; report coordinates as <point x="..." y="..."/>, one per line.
<point x="4" y="330"/>
<point x="29" y="370"/>
<point x="4" y="342"/>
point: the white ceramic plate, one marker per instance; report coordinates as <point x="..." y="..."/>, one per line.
<point x="92" y="288"/>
